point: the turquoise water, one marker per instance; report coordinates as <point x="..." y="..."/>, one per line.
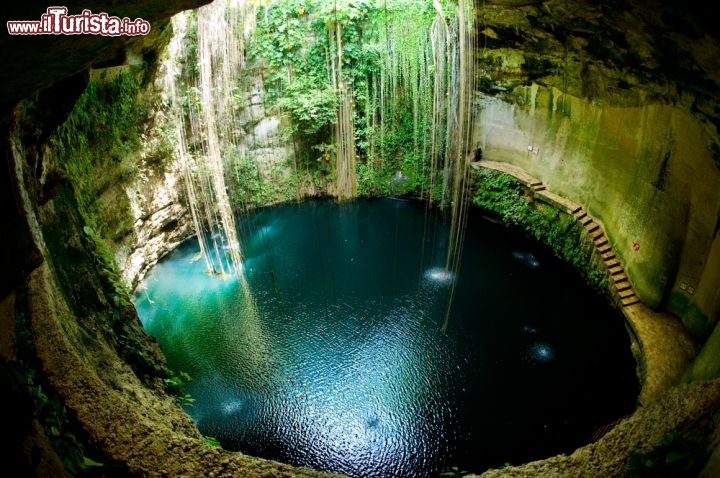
<point x="332" y="356"/>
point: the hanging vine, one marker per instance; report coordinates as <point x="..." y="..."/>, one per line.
<point x="377" y="95"/>
<point x="209" y="72"/>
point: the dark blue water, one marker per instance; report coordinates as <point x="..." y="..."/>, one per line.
<point x="332" y="357"/>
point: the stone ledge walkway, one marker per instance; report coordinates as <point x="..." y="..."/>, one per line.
<point x="663" y="348"/>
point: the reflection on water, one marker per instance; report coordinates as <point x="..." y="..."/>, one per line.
<point x="527" y="258"/>
<point x="439" y="275"/>
<point x="541" y="353"/>
<point x="335" y="359"/>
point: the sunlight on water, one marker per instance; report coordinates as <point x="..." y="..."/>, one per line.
<point x="330" y="354"/>
<point x="439" y="275"/>
<point x="527" y="258"/>
<point x="541" y="353"/>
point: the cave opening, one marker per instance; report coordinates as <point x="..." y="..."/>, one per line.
<point x="550" y="118"/>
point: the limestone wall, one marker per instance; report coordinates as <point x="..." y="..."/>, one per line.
<point x="645" y="171"/>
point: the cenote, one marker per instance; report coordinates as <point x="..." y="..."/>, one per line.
<point x="330" y="353"/>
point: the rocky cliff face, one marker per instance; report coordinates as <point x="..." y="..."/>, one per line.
<point x="614" y="105"/>
<point x="156" y="194"/>
<point x="646" y="171"/>
<point x="160" y="220"/>
<point x="86" y="381"/>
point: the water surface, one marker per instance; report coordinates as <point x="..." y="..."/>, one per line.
<point x="332" y="356"/>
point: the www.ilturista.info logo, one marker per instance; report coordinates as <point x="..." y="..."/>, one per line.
<point x="57" y="22"/>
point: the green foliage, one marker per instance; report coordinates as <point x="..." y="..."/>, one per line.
<point x="250" y="187"/>
<point x="190" y="66"/>
<point x="311" y="107"/>
<point x="96" y="147"/>
<point x="96" y="142"/>
<point x="107" y="267"/>
<point x="248" y="183"/>
<point x="160" y="156"/>
<point x="283" y="32"/>
<point x="91" y="285"/>
<point x="502" y="195"/>
<point x="679" y="455"/>
<point x="309" y="53"/>
<point x="397" y="141"/>
<point x="46" y="405"/>
<point x="53" y="415"/>
<point x="212" y="441"/>
<point x="372" y="180"/>
<point x="175" y="384"/>
<point x="297" y="43"/>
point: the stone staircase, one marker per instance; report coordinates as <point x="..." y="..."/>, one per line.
<point x="619" y="283"/>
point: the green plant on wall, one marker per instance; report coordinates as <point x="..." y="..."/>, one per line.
<point x="46" y="405"/>
<point x="383" y="51"/>
<point x="679" y="455"/>
<point x="96" y="149"/>
<point x="176" y="385"/>
<point x="108" y="269"/>
<point x="359" y="75"/>
<point x="502" y="195"/>
<point x="53" y="415"/>
<point x="212" y="441"/>
<point x="96" y="142"/>
<point x="311" y="109"/>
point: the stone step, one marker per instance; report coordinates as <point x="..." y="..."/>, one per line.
<point x="586" y="220"/>
<point x="615" y="270"/>
<point x="624" y="294"/>
<point x="604" y="248"/>
<point x="608" y="255"/>
<point x="592" y="226"/>
<point x="596" y="233"/>
<point x="623" y="285"/>
<point x="577" y="210"/>
<point x="619" y="278"/>
<point x="535" y="183"/>
<point x="539" y="188"/>
<point x="630" y="301"/>
<point x="601" y="241"/>
<point x="612" y="262"/>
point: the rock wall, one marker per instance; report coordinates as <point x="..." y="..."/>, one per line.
<point x="143" y="214"/>
<point x="160" y="222"/>
<point x="631" y="165"/>
<point x="262" y="130"/>
<point x="614" y="105"/>
<point x="647" y="172"/>
<point x="155" y="197"/>
<point x="82" y="378"/>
